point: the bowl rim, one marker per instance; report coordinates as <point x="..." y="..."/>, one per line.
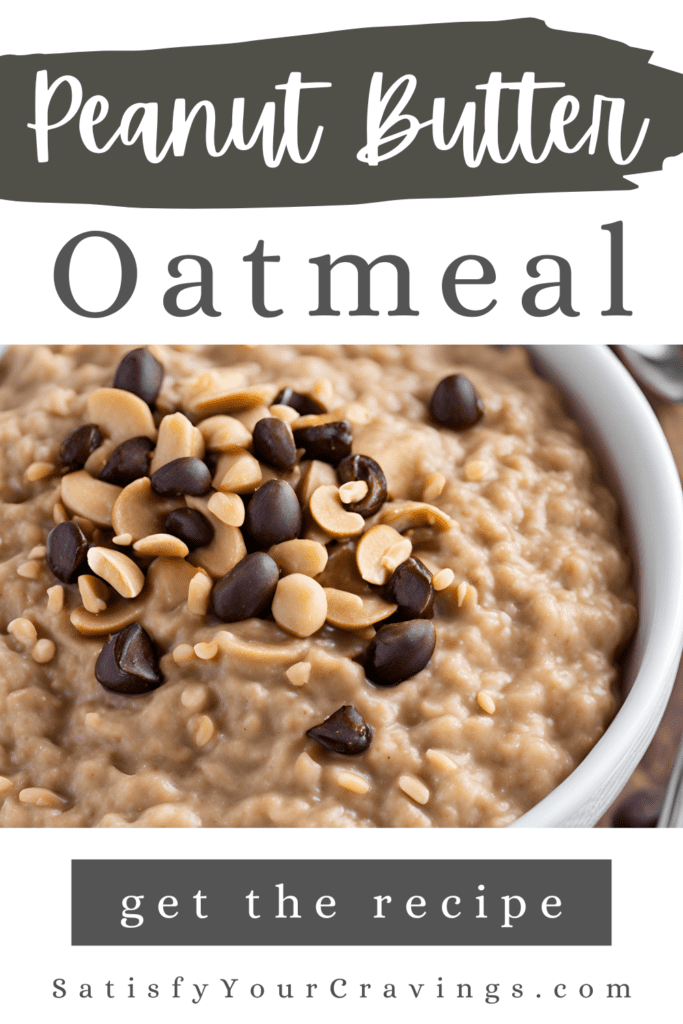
<point x="659" y="488"/>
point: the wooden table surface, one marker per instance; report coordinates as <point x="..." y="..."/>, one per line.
<point x="638" y="804"/>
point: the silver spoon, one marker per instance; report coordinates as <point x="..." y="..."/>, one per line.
<point x="671" y="814"/>
<point x="658" y="367"/>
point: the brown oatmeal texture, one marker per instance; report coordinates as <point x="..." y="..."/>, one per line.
<point x="540" y="605"/>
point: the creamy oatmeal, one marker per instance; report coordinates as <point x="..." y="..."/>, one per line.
<point x="347" y="587"/>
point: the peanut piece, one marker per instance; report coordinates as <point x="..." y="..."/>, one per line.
<point x="120" y="414"/>
<point x="55" y="599"/>
<point x="177" y="439"/>
<point x="371" y="550"/>
<point x="354" y="490"/>
<point x="29" y="570"/>
<point x="206" y="651"/>
<point x="486" y="702"/>
<point x="299" y="555"/>
<point x="163" y="545"/>
<point x="43" y="651"/>
<point x="413" y="788"/>
<point x="119" y="571"/>
<point x="234" y="400"/>
<point x="476" y="469"/>
<point x="300" y="673"/>
<point x="38" y="796"/>
<point x="94" y="593"/>
<point x="229" y="508"/>
<point x="183" y="653"/>
<point x="23" y="631"/>
<point x="410" y="514"/>
<point x="315" y="474"/>
<point x="299" y="605"/>
<point x="92" y="499"/>
<point x="38" y="471"/>
<point x="198" y="593"/>
<point x="237" y="472"/>
<point x="330" y="515"/>
<point x="433" y="486"/>
<point x="350" y="611"/>
<point x="353" y="782"/>
<point x="224" y="433"/>
<point x="443" y="579"/>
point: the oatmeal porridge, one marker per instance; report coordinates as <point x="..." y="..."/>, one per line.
<point x="316" y="587"/>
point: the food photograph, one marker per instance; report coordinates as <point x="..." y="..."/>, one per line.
<point x="333" y="587"/>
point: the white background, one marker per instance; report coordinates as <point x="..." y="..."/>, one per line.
<point x="647" y="910"/>
<point x="648" y="900"/>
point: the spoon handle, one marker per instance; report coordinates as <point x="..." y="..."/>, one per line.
<point x="657" y="368"/>
<point x="671" y="814"/>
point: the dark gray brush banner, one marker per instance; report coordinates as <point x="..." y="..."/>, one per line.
<point x="341" y="903"/>
<point x="119" y="128"/>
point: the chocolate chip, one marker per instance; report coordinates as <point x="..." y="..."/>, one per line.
<point x="305" y="405"/>
<point x="128" y="663"/>
<point x="410" y="587"/>
<point x="78" y="446"/>
<point x="362" y="467"/>
<point x="455" y="403"/>
<point x="640" y="810"/>
<point x="190" y="526"/>
<point x="182" y="476"/>
<point x="140" y="373"/>
<point x="344" y="732"/>
<point x="399" y="651"/>
<point x="128" y="462"/>
<point x="273" y="514"/>
<point x="67" y="547"/>
<point x="329" y="442"/>
<point x="247" y="590"/>
<point x="273" y="443"/>
<point x="211" y="460"/>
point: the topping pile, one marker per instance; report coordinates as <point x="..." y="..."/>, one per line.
<point x="248" y="518"/>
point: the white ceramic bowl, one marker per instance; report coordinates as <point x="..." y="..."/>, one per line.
<point x="621" y="427"/>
